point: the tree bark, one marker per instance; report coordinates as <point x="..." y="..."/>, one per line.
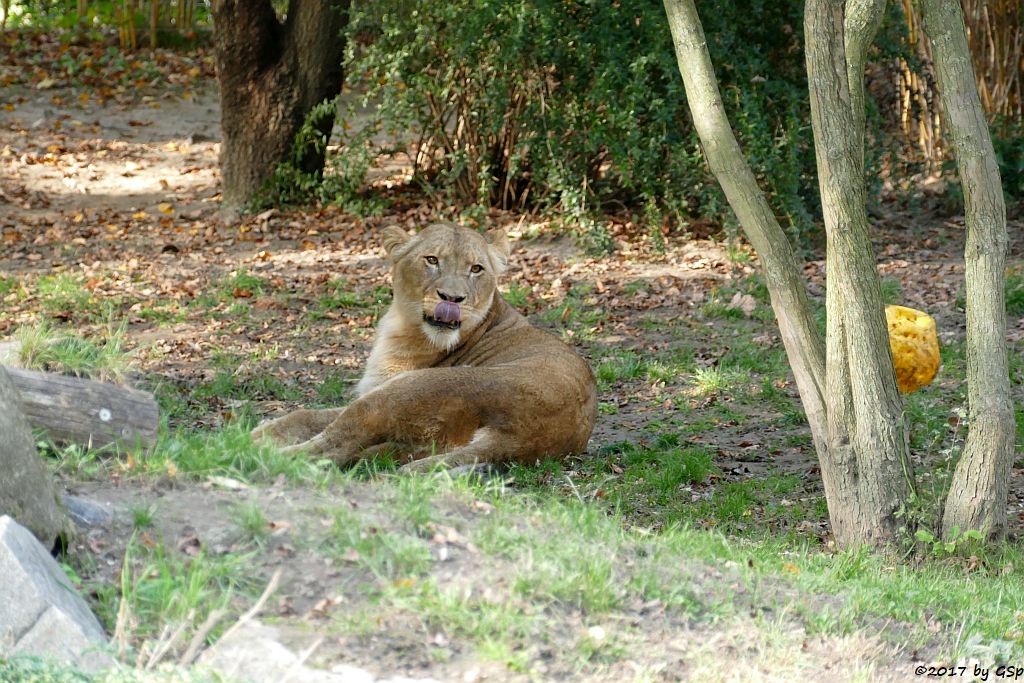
<point x="783" y="275"/>
<point x="271" y="75"/>
<point x="865" y="411"/>
<point x="978" y="493"/>
<point x="76" y="410"/>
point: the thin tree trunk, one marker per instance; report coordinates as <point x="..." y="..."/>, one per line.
<point x="271" y="75"/>
<point x="863" y="403"/>
<point x="783" y="274"/>
<point x="978" y="494"/>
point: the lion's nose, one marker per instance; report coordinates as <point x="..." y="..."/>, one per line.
<point x="450" y="297"/>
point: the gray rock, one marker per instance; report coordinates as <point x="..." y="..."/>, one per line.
<point x="56" y="634"/>
<point x="27" y="489"/>
<point x="254" y="653"/>
<point x="87" y="514"/>
<point x="43" y="615"/>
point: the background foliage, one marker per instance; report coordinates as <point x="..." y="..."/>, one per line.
<point x="579" y="105"/>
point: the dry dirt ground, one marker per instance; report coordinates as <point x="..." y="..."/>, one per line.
<point x="123" y="196"/>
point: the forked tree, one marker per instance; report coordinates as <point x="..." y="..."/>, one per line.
<point x="272" y="73"/>
<point x="847" y="383"/>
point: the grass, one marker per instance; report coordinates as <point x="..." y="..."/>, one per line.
<point x="571" y="555"/>
<point x="252" y="523"/>
<point x="651" y="519"/>
<point x="341" y="297"/>
<point x="64" y="295"/>
<point x="388" y="556"/>
<point x="1015" y="293"/>
<point x="102" y="357"/>
<point x="191" y="455"/>
<point x="25" y="669"/>
<point x="160" y="588"/>
<point x="578" y="316"/>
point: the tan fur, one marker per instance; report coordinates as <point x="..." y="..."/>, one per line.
<point x="495" y="390"/>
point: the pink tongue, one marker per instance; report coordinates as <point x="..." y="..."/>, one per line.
<point x="447" y="312"/>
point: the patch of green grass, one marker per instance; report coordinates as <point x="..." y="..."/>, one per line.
<point x="892" y="291"/>
<point x="718" y="380"/>
<point x="231" y="452"/>
<point x="619" y="366"/>
<point x="979" y="606"/>
<point x="142" y="516"/>
<point x="65" y="296"/>
<point x="28" y="669"/>
<point x="162" y="588"/>
<point x="412" y="504"/>
<point x="499" y="626"/>
<point x="720" y="302"/>
<point x="341" y="296"/>
<point x="163" y="313"/>
<point x="335" y="390"/>
<point x="239" y="380"/>
<point x="388" y="556"/>
<point x="636" y="286"/>
<point x="9" y="285"/>
<point x="518" y="296"/>
<point x="231" y="296"/>
<point x="656" y="473"/>
<point x="252" y="523"/>
<point x="76" y="460"/>
<point x="579" y="315"/>
<point x="241" y="283"/>
<point x="53" y="350"/>
<point x="765" y="360"/>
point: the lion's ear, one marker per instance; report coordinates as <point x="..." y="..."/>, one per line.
<point x="392" y="238"/>
<point x="497" y="245"/>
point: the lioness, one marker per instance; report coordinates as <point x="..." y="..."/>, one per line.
<point x="454" y="370"/>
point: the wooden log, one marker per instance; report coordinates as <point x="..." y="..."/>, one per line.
<point x="84" y="411"/>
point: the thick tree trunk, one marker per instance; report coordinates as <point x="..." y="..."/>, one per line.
<point x="978" y="494"/>
<point x="271" y="75"/>
<point x="865" y="411"/>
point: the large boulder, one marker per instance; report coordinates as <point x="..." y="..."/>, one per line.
<point x="27" y="490"/>
<point x="42" y="613"/>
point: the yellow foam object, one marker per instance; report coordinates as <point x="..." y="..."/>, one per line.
<point x="915" y="347"/>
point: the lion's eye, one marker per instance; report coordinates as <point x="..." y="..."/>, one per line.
<point x="476" y="269"/>
<point x="432" y="260"/>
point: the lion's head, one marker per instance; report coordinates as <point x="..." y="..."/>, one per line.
<point x="445" y="278"/>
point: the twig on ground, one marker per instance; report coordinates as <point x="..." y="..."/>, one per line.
<point x="267" y="592"/>
<point x="298" y="663"/>
<point x="165" y="644"/>
<point x="196" y="644"/>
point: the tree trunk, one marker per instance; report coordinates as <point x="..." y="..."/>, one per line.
<point x="783" y="274"/>
<point x="978" y="494"/>
<point x="854" y="408"/>
<point x="864" y="406"/>
<point x="271" y="75"/>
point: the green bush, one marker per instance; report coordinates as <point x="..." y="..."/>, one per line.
<point x="578" y="105"/>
